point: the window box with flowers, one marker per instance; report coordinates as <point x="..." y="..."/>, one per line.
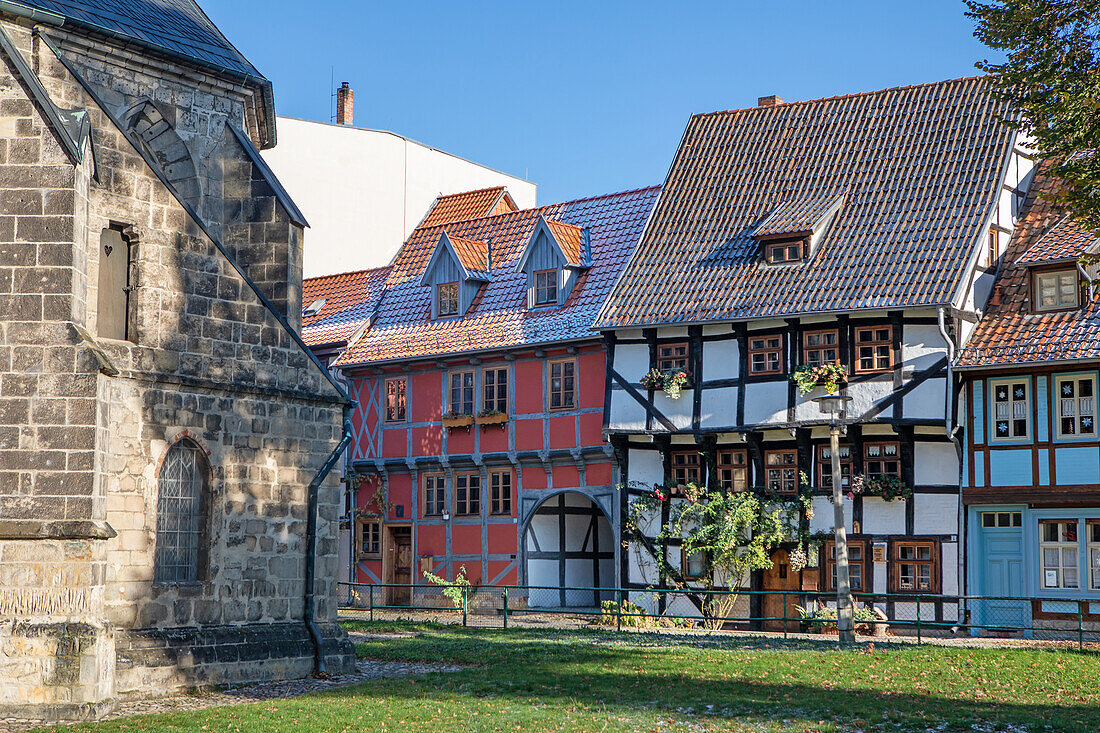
<point x="886" y="487"/>
<point x="672" y="381"/>
<point x="486" y="418"/>
<point x="827" y="376"/>
<point x="454" y="420"/>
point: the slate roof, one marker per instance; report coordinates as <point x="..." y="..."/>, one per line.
<point x="467" y="205"/>
<point x="919" y="166"/>
<point x="177" y="27"/>
<point x="350" y="298"/>
<point x="1009" y="333"/>
<point x="499" y="317"/>
<point x="796" y="216"/>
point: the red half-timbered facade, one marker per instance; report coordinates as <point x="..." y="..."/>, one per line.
<point x="481" y="391"/>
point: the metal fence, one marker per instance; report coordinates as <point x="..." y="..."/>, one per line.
<point x="907" y="617"/>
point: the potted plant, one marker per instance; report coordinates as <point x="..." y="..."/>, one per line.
<point x="492" y="417"/>
<point x="828" y="376"/>
<point x="654" y="379"/>
<point x="672" y="381"/>
<point x="452" y="420"/>
<point x="885" y="487"/>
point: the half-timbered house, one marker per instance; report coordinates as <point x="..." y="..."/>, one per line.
<point x="481" y="395"/>
<point x="861" y="230"/>
<point x="1033" y="461"/>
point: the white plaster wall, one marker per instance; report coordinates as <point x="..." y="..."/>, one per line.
<point x="640" y="565"/>
<point x="718" y="407"/>
<point x="923" y="346"/>
<point x="626" y="412"/>
<point x="720" y="360"/>
<point x="949" y="560"/>
<point x="865" y="394"/>
<point x="935" y="513"/>
<point x="632" y="361"/>
<point x="364" y="191"/>
<point x="645" y="466"/>
<point x="823" y="514"/>
<point x="936" y="464"/>
<point x="928" y="400"/>
<point x="883" y="517"/>
<point x="678" y="411"/>
<point x="765" y="402"/>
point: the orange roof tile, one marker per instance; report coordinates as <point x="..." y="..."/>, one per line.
<point x="349" y="299"/>
<point x="468" y="205"/>
<point x="472" y="254"/>
<point x="571" y="239"/>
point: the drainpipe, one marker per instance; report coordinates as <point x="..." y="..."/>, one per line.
<point x="952" y="430"/>
<point x="1088" y="278"/>
<point x="311" y="542"/>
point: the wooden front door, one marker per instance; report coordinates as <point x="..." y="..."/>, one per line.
<point x="401" y="565"/>
<point x="780" y="578"/>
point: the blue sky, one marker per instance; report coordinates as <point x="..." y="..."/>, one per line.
<point x="583" y="98"/>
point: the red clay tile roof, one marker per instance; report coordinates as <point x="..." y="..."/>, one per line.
<point x="796" y="216"/>
<point x="1009" y="333"/>
<point x="570" y="238"/>
<point x="473" y="255"/>
<point x="468" y="205"/>
<point x="499" y="316"/>
<point x="919" y="167"/>
<point x="349" y="298"/>
<point x="1064" y="241"/>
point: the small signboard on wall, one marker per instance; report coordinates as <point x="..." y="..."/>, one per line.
<point x="1050" y="579"/>
<point x="878" y="552"/>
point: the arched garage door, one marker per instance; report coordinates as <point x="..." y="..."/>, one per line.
<point x="569" y="544"/>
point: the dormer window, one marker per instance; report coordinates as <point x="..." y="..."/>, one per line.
<point x="546" y="287"/>
<point x="779" y="253"/>
<point x="446" y="299"/>
<point x="1056" y="290"/>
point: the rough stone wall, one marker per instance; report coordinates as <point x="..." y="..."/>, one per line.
<point x="85" y="422"/>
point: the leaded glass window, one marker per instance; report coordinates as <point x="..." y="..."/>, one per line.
<point x="181" y="514"/>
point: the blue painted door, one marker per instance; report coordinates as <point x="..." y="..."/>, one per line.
<point x="1000" y="572"/>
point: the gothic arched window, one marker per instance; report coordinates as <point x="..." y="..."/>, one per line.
<point x="181" y="515"/>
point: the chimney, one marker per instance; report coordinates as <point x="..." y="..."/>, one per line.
<point x="772" y="100"/>
<point x="345" y="104"/>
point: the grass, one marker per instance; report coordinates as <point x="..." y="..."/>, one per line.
<point x="591" y="680"/>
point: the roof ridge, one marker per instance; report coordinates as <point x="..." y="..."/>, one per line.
<point x="850" y="95"/>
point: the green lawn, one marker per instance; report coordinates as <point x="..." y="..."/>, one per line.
<point x="597" y="681"/>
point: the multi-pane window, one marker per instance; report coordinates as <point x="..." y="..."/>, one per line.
<point x="396" y="399"/>
<point x="562" y="384"/>
<point x="1093" y="529"/>
<point x="495" y="389"/>
<point x="546" y="287"/>
<point x="855" y="565"/>
<point x="825" y="466"/>
<point x="462" y="392"/>
<point x="113" y="314"/>
<point x="1002" y="520"/>
<point x="500" y="486"/>
<point x="686" y="467"/>
<point x="446" y="299"/>
<point x="914" y="566"/>
<point x="1011" y="409"/>
<point x="1058" y="553"/>
<point x="991" y="248"/>
<point x="875" y="349"/>
<point x="467" y="493"/>
<point x="766" y="354"/>
<point x="780" y="252"/>
<point x="733" y="470"/>
<point x="1056" y="290"/>
<point x="370" y="537"/>
<point x="672" y="356"/>
<point x="434" y="495"/>
<point x="1076" y="406"/>
<point x="781" y="470"/>
<point x="881" y="459"/>
<point x="694" y="564"/>
<point x="181" y="514"/>
<point x="820" y="347"/>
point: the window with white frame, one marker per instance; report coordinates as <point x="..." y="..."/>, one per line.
<point x="1058" y="553"/>
<point x="1093" y="529"/>
<point x="1076" y="406"/>
<point x="1011" y="409"/>
<point x="1056" y="290"/>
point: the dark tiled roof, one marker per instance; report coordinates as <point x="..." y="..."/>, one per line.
<point x="919" y="167"/>
<point x="796" y="216"/>
<point x="349" y="297"/>
<point x="468" y="205"/>
<point x="1009" y="333"/>
<point x="1064" y="241"/>
<point x="499" y="317"/>
<point x="178" y="27"/>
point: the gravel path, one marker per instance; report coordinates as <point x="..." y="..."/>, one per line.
<point x="366" y="670"/>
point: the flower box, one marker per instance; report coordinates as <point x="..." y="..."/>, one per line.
<point x="450" y="422"/>
<point x="828" y="377"/>
<point x="496" y="418"/>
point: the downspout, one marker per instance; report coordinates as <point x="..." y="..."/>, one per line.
<point x="311" y="542"/>
<point x="1084" y="274"/>
<point x="952" y="429"/>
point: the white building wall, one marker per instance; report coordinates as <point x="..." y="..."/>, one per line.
<point x="364" y="191"/>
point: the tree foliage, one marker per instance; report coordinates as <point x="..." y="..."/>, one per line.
<point x="1051" y="76"/>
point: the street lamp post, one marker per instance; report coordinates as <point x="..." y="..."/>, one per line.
<point x="834" y="405"/>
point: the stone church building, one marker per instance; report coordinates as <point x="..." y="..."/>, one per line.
<point x="168" y="517"/>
